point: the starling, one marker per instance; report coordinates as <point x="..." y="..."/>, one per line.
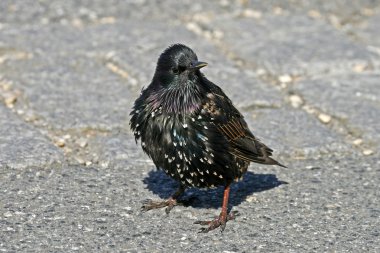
<point x="192" y="131"/>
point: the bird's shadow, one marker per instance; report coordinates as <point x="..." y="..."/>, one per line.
<point x="163" y="186"/>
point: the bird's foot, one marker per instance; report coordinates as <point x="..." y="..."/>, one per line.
<point x="217" y="222"/>
<point x="155" y="204"/>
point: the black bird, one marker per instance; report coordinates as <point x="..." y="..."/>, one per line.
<point x="191" y="130"/>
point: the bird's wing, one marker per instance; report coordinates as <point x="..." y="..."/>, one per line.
<point x="243" y="143"/>
<point x="231" y="124"/>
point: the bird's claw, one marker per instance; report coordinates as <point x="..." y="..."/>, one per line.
<point x="219" y="221"/>
<point x="154" y="204"/>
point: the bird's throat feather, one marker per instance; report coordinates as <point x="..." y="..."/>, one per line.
<point x="177" y="99"/>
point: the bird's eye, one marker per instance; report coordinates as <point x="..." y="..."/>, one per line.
<point x="175" y="70"/>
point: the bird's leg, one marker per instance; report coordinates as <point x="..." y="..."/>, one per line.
<point x="169" y="203"/>
<point x="223" y="216"/>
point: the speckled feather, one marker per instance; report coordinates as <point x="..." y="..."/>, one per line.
<point x="190" y="128"/>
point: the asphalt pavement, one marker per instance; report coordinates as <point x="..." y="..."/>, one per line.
<point x="305" y="74"/>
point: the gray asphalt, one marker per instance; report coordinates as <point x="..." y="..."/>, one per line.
<point x="304" y="73"/>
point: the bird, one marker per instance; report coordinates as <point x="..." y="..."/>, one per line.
<point x="192" y="131"/>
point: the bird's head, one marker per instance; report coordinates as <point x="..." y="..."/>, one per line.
<point x="177" y="65"/>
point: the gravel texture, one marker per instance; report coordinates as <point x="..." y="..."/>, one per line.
<point x="304" y="73"/>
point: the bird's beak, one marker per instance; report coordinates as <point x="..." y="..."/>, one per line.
<point x="198" y="64"/>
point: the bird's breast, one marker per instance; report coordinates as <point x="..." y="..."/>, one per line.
<point x="188" y="149"/>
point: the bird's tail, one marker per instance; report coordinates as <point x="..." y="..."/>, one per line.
<point x="271" y="161"/>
